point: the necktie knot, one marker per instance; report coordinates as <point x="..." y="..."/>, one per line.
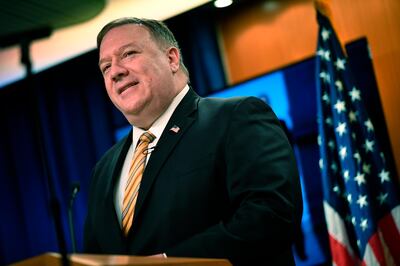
<point x="147" y="137"/>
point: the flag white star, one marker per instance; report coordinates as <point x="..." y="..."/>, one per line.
<point x="319" y="141"/>
<point x="382" y="198"/>
<point x="331" y="144"/>
<point x="355" y="94"/>
<point x="353" y="116"/>
<point x="382" y="156"/>
<point x="326" y="56"/>
<point x="336" y="189"/>
<point x="341" y="128"/>
<point x="369" y="145"/>
<point x="369" y="125"/>
<point x="328" y="121"/>
<point x="334" y="167"/>
<point x="320" y="51"/>
<point x="325" y="34"/>
<point x="340" y="106"/>
<point x="353" y="135"/>
<point x="343" y="152"/>
<point x="340" y="64"/>
<point x="357" y="156"/>
<point x="325" y="98"/>
<point x="366" y="168"/>
<point x="321" y="163"/>
<point x="349" y="198"/>
<point x="384" y="175"/>
<point x="339" y="85"/>
<point x="325" y="77"/>
<point x="360" y="178"/>
<point x="364" y="224"/>
<point x="362" y="201"/>
<point x="346" y="175"/>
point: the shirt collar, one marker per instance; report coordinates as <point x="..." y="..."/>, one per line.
<point x="159" y="125"/>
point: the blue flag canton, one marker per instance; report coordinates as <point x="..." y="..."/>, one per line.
<point x="356" y="180"/>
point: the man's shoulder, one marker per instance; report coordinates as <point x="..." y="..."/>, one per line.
<point x="231" y="102"/>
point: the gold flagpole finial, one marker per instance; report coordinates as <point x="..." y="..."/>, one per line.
<point x="323" y="7"/>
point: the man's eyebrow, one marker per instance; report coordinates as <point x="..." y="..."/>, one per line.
<point x="101" y="61"/>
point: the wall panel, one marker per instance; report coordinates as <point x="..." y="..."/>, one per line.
<point x="268" y="35"/>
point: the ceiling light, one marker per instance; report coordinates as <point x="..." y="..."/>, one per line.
<point x="271" y="6"/>
<point x="222" y="3"/>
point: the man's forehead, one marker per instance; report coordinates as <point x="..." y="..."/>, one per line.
<point x="127" y="31"/>
<point x="121" y="37"/>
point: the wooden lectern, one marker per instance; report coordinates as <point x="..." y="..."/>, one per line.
<point x="54" y="259"/>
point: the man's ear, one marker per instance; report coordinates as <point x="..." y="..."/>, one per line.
<point x="173" y="58"/>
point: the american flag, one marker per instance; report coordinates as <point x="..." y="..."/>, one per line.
<point x="361" y="198"/>
<point x="175" y="129"/>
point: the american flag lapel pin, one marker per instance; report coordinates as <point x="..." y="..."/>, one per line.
<point x="175" y="129"/>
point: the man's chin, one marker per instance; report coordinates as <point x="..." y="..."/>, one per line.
<point x="136" y="118"/>
<point x="132" y="110"/>
<point x="132" y="114"/>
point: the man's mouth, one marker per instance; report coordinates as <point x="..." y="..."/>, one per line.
<point x="126" y="86"/>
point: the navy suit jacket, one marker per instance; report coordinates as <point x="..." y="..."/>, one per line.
<point x="224" y="186"/>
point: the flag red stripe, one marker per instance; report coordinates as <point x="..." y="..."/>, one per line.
<point x="391" y="236"/>
<point x="340" y="255"/>
<point x="377" y="248"/>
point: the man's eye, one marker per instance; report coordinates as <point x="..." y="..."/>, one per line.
<point x="128" y="53"/>
<point x="105" y="68"/>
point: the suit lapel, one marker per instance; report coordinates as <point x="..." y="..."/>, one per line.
<point x="181" y="120"/>
<point x="110" y="221"/>
<point x="117" y="163"/>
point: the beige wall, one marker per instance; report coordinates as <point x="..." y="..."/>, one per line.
<point x="265" y="37"/>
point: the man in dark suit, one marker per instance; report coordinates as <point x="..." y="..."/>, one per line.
<point x="214" y="178"/>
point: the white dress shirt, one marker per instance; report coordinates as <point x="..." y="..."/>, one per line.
<point x="156" y="129"/>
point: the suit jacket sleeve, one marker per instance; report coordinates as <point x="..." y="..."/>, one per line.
<point x="90" y="243"/>
<point x="263" y="186"/>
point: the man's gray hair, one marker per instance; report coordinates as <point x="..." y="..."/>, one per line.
<point x="157" y="29"/>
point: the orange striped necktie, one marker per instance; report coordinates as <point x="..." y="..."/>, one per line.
<point x="135" y="177"/>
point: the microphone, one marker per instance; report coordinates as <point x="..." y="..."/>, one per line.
<point x="74" y="192"/>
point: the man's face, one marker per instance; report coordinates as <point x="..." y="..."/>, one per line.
<point x="138" y="74"/>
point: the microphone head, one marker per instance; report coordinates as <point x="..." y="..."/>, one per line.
<point x="75" y="189"/>
<point x="76" y="186"/>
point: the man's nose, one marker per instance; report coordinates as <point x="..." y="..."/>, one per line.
<point x="118" y="71"/>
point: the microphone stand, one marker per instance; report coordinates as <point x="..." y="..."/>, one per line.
<point x="74" y="192"/>
<point x="54" y="202"/>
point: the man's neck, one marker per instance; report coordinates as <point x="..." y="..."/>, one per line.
<point x="147" y="122"/>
